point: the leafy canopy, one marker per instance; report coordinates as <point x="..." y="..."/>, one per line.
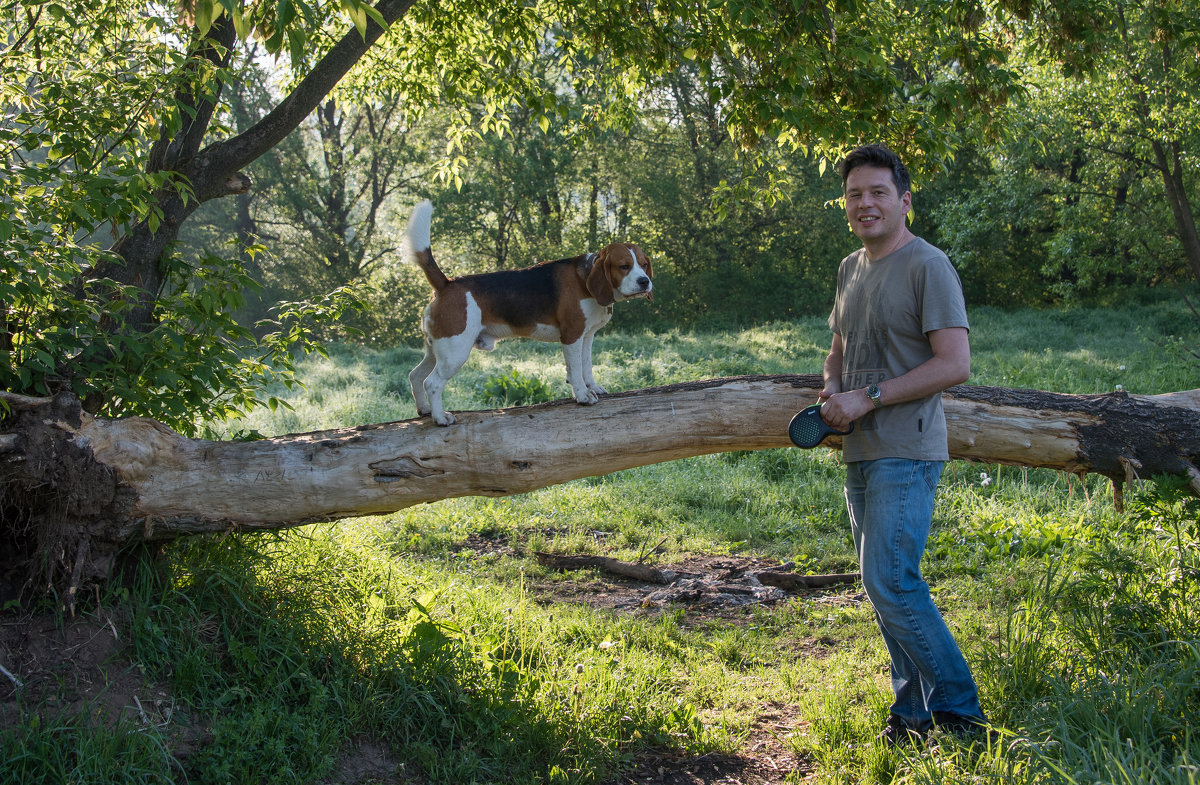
<point x="106" y="103"/>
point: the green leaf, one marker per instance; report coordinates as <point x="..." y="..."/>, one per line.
<point x="241" y="25"/>
<point x="358" y="16"/>
<point x="205" y="11"/>
<point x="285" y="12"/>
<point x="296" y="44"/>
<point x="378" y="17"/>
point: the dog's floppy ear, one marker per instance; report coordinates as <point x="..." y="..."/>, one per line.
<point x="598" y="283"/>
<point x="644" y="261"/>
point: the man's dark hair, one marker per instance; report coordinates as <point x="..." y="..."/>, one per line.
<point x="880" y="157"/>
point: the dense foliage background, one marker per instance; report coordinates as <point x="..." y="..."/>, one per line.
<point x="192" y="197"/>
<point x="1045" y="217"/>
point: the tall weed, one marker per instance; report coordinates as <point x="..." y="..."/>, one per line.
<point x="1100" y="664"/>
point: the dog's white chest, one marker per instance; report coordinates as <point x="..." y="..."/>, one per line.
<point x="595" y="315"/>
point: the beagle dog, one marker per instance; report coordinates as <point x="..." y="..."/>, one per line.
<point x="566" y="300"/>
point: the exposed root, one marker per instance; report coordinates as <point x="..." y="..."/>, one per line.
<point x="82" y="547"/>
<point x="1131" y="467"/>
<point x="54" y="501"/>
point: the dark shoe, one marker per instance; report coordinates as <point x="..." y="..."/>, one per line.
<point x="897" y="734"/>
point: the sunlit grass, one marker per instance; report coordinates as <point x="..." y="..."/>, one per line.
<point x="1078" y="621"/>
<point x="1084" y="351"/>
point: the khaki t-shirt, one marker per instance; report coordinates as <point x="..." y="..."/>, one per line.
<point x="883" y="310"/>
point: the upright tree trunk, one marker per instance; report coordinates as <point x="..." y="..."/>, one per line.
<point x="1181" y="207"/>
<point x="215" y="171"/>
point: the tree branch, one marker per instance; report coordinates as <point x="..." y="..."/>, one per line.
<point x="236" y="153"/>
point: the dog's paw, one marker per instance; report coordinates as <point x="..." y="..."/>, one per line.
<point x="597" y="389"/>
<point x="444" y="418"/>
<point x="587" y="398"/>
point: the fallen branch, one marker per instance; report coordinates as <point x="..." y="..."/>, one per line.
<point x="640" y="572"/>
<point x="790" y="581"/>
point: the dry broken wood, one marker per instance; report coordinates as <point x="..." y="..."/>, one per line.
<point x="639" y="572"/>
<point x="75" y="489"/>
<point x="689" y="586"/>
<point x="792" y="581"/>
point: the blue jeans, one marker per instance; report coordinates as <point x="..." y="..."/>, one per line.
<point x="891" y="509"/>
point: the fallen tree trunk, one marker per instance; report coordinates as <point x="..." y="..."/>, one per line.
<point x="75" y="489"/>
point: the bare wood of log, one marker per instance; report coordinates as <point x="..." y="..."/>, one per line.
<point x="641" y="572"/>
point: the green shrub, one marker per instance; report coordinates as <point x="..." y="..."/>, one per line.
<point x="514" y="389"/>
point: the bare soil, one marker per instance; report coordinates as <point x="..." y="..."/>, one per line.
<point x="64" y="664"/>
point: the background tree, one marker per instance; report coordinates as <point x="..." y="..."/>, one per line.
<point x="324" y="196"/>
<point x="118" y="129"/>
<point x="748" y="236"/>
<point x="1093" y="192"/>
<point x="992" y="214"/>
<point x="113" y="115"/>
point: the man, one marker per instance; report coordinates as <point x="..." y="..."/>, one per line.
<point x="899" y="339"/>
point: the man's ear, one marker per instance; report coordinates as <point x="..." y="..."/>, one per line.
<point x="598" y="283"/>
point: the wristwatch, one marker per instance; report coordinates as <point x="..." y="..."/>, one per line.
<point x="873" y="393"/>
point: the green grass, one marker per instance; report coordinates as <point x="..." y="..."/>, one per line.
<point x="1080" y="623"/>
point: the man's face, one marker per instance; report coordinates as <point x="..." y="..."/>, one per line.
<point x="875" y="211"/>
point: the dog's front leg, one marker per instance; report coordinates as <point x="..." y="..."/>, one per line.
<point x="587" y="365"/>
<point x="573" y="354"/>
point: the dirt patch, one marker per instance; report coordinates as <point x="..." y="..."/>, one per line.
<point x="767" y="759"/>
<point x="709" y="589"/>
<point x="366" y="762"/>
<point x="74" y="666"/>
<point x="711" y="583"/>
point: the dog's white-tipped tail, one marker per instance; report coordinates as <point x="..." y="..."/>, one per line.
<point x="417" y="235"/>
<point x="417" y="246"/>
